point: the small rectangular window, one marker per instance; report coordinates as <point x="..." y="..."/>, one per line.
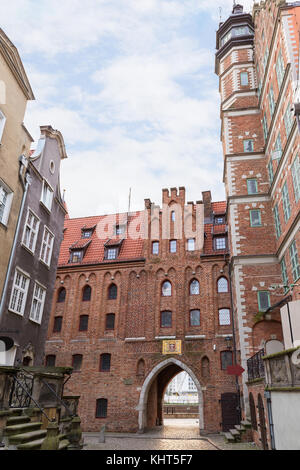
<point x="248" y="145"/>
<point x="226" y="359"/>
<point x="252" y="186"/>
<point x="244" y="79"/>
<point x="112" y="253"/>
<point x="6" y="197"/>
<point x="166" y="319"/>
<point x="284" y="275"/>
<point x="101" y="408"/>
<point x="195" y="317"/>
<point x="76" y="256"/>
<point x="84" y="323"/>
<point x="38" y="301"/>
<point x="191" y="244"/>
<point x="77" y="362"/>
<point x="286" y="202"/>
<point x="57" y="325"/>
<point x="255" y="218"/>
<point x="47" y="195"/>
<point x="263" y="301"/>
<point x="277" y="221"/>
<point x="31" y="230"/>
<point x="19" y="293"/>
<point x="47" y="247"/>
<point x="296" y="178"/>
<point x="173" y="246"/>
<point x="295" y="261"/>
<point x="155" y="248"/>
<point x="110" y="321"/>
<point x="220" y="243"/>
<point x="224" y="317"/>
<point x="2" y="122"/>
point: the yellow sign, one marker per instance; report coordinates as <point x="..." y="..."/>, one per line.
<point x="172" y="347"/>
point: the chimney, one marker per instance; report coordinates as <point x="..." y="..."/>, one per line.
<point x="206" y="196"/>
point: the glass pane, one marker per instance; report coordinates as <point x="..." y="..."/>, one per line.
<point x="224" y="317"/>
<point x="166" y="319"/>
<point x="195" y="318"/>
<point x="223" y="285"/>
<point x="195" y="288"/>
<point x="167" y="289"/>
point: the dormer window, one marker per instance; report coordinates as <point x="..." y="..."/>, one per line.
<point x="120" y="229"/>
<point x="112" y="253"/>
<point x="219" y="220"/>
<point x="112" y="249"/>
<point x="76" y="256"/>
<point x="87" y="233"/>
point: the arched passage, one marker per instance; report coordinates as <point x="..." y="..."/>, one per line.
<point x="152" y="393"/>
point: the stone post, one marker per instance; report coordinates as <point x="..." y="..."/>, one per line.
<point x="75" y="435"/>
<point x="51" y="441"/>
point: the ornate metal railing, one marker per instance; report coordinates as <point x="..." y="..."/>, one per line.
<point x="256" y="368"/>
<point x="21" y="393"/>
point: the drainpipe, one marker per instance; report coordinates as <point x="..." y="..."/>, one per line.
<point x="234" y="342"/>
<point x="23" y="164"/>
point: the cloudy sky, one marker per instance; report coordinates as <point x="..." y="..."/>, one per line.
<point x="131" y="86"/>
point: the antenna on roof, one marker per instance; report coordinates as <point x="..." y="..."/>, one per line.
<point x="220" y="12"/>
<point x="129" y="201"/>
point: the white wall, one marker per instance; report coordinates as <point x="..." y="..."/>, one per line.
<point x="286" y="418"/>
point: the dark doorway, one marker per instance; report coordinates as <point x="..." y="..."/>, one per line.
<point x="230" y="411"/>
<point x="262" y="423"/>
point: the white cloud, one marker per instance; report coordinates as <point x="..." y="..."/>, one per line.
<point x="131" y="86"/>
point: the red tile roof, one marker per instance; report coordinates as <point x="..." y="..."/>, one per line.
<point x="131" y="249"/>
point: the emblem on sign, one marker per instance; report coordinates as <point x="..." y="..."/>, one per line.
<point x="172" y="347"/>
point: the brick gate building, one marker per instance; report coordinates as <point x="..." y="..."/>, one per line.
<point x="127" y="287"/>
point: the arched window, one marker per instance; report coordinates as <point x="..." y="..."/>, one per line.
<point x="50" y="360"/>
<point x="77" y="362"/>
<point x="101" y="408"/>
<point x="105" y="360"/>
<point x="205" y="367"/>
<point x="194" y="287"/>
<point x="86" y="294"/>
<point x="113" y="292"/>
<point x="252" y="412"/>
<point x="61" y="296"/>
<point x="223" y="285"/>
<point x="166" y="289"/>
<point x="141" y="368"/>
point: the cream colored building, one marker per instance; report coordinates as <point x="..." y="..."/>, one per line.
<point x="15" y="141"/>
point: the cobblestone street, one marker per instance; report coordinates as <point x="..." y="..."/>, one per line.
<point x="180" y="434"/>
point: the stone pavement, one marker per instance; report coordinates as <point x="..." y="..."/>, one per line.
<point x="174" y="435"/>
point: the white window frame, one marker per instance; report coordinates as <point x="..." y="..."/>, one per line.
<point x="2" y="125"/>
<point x="47" y="245"/>
<point x="20" y="290"/>
<point x="35" y="232"/>
<point x="37" y="301"/>
<point x="45" y="202"/>
<point x="8" y="202"/>
<point x="191" y="244"/>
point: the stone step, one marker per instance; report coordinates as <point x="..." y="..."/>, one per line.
<point x="22" y="428"/>
<point x="229" y="437"/>
<point x="13" y="420"/>
<point x="27" y="437"/>
<point x="240" y="428"/>
<point x="235" y="433"/>
<point x="246" y="424"/>
<point x="33" y="445"/>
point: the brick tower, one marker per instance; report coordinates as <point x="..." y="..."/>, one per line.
<point x="254" y="264"/>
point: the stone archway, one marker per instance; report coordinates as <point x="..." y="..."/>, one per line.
<point x="173" y="367"/>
